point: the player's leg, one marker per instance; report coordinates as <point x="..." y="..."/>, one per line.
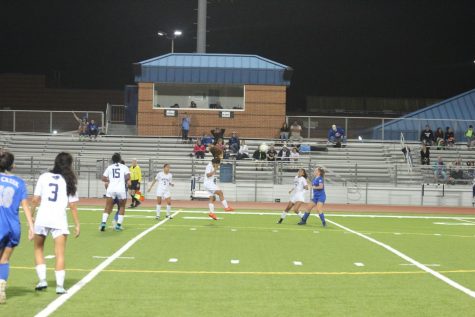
<point x="320" y="212"/>
<point x="211" y="207"/>
<point x="120" y="218"/>
<point x="59" y="272"/>
<point x="38" y="246"/>
<point x="307" y="213"/>
<point x="168" y="200"/>
<point x="159" y="207"/>
<point x="132" y="194"/>
<point x="284" y="213"/>
<point x="220" y="194"/>
<point x="297" y="206"/>
<point x="107" y="211"/>
<point x="5" y="255"/>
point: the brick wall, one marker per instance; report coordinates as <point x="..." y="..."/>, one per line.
<point x="263" y="116"/>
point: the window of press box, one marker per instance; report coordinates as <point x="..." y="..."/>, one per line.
<point x="199" y="97"/>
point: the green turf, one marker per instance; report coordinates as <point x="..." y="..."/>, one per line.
<point x="203" y="282"/>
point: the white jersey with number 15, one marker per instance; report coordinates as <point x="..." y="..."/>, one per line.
<point x="116" y="174"/>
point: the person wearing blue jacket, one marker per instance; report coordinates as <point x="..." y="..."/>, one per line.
<point x="336" y="134"/>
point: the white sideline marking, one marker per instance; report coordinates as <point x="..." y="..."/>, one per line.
<point x="50" y="257"/>
<point x="397" y="233"/>
<point x="58" y="302"/>
<point x="234" y="230"/>
<point x="358" y="264"/>
<point x="437" y="234"/>
<point x="298" y="263"/>
<point x="410" y="264"/>
<point x="316" y="232"/>
<point x="119" y="257"/>
<point x="234" y="261"/>
<point x="421" y="266"/>
<point x="173" y="260"/>
<point x="275" y="230"/>
<point x="464" y="220"/>
<point x="193" y="229"/>
<point x="455" y="223"/>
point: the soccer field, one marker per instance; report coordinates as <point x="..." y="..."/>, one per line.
<point x="247" y="265"/>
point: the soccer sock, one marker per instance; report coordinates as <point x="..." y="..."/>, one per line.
<point x="169" y="209"/>
<point x="225" y="203"/>
<point x="211" y="207"/>
<point x="300" y="214"/>
<point x="120" y="219"/>
<point x="4" y="271"/>
<point x="322" y="217"/>
<point x="133" y="198"/>
<point x="105" y="215"/>
<point x="41" y="272"/>
<point x="60" y="277"/>
<point x="283" y="215"/>
<point x="305" y="216"/>
<point x="158" y="209"/>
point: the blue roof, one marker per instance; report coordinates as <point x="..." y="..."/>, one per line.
<point x="194" y="68"/>
<point x="442" y="114"/>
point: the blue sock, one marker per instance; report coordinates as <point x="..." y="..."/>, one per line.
<point x="322" y="217"/>
<point x="4" y="271"/>
<point x="116" y="216"/>
<point x="305" y="216"/>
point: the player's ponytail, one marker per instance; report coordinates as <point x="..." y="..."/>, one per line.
<point x="63" y="165"/>
<point x="322" y="172"/>
<point x="6" y="161"/>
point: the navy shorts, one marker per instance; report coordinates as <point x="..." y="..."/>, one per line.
<point x="319" y="199"/>
<point x="10" y="237"/>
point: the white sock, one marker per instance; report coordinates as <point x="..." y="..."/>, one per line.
<point x="105" y="216"/>
<point x="225" y="203"/>
<point x="211" y="207"/>
<point x="300" y="214"/>
<point x="60" y="278"/>
<point x="169" y="209"/>
<point x="283" y="215"/>
<point x="159" y="207"/>
<point x="41" y="272"/>
<point x="120" y="219"/>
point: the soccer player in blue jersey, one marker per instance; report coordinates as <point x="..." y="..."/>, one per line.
<point x="13" y="193"/>
<point x="319" y="197"/>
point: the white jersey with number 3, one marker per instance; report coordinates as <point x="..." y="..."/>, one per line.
<point x="164" y="181"/>
<point x="54" y="200"/>
<point x="116" y="174"/>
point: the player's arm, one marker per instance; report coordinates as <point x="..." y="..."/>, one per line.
<point x="171" y="181"/>
<point x="74" y="211"/>
<point x="35" y="202"/>
<point x="29" y="218"/>
<point x="127" y="179"/>
<point x="319" y="186"/>
<point x="212" y="172"/>
<point x="153" y="183"/>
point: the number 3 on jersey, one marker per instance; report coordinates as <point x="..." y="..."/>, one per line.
<point x="54" y="192"/>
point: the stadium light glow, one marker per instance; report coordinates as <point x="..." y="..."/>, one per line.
<point x="178" y="33"/>
<point x="55" y="131"/>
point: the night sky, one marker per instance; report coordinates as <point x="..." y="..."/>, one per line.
<point x="387" y="48"/>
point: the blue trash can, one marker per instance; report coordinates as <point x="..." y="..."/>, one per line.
<point x="226" y="173"/>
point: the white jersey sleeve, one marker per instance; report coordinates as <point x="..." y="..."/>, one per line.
<point x="209" y="169"/>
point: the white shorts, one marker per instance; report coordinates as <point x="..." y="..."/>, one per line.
<point x="163" y="193"/>
<point x="296" y="197"/>
<point x="118" y="195"/>
<point x="44" y="231"/>
<point x="211" y="187"/>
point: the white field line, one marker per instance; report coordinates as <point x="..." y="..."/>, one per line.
<point x="279" y="213"/>
<point x="58" y="302"/>
<point x="421" y="266"/>
<point x="465" y="220"/>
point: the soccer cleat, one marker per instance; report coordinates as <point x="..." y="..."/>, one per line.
<point x="41" y="286"/>
<point x="324" y="224"/>
<point x="118" y="227"/>
<point x="301" y="223"/>
<point x="3" y="295"/>
<point x="132" y="206"/>
<point x="229" y="209"/>
<point x="157" y="218"/>
<point x="137" y="204"/>
<point x="60" y="290"/>
<point x="280" y="221"/>
<point x="102" y="227"/>
<point x="169" y="217"/>
<point x="213" y="216"/>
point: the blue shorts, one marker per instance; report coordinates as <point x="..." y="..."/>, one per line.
<point x="10" y="237"/>
<point x="319" y="199"/>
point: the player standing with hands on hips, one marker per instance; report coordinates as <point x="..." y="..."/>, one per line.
<point x="210" y="185"/>
<point x="164" y="180"/>
<point x="54" y="191"/>
<point x="319" y="197"/>
<point x="13" y="193"/>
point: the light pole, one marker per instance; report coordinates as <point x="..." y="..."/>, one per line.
<point x="171" y="37"/>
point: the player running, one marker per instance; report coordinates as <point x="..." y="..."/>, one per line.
<point x="297" y="197"/>
<point x="13" y="193"/>
<point x="54" y="191"/>
<point x="319" y="197"/>
<point x="115" y="178"/>
<point x="210" y="185"/>
<point x="164" y="180"/>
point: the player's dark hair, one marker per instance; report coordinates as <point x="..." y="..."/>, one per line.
<point x="6" y="161"/>
<point x="322" y="171"/>
<point x="122" y="162"/>
<point x="116" y="158"/>
<point x="165" y="165"/>
<point x="304" y="172"/>
<point x="216" y="160"/>
<point x="63" y="165"/>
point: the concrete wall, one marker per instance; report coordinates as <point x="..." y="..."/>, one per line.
<point x="263" y="116"/>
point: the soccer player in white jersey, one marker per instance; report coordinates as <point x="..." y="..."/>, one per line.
<point x="54" y="191"/>
<point x="164" y="180"/>
<point x="297" y="194"/>
<point x="210" y="185"/>
<point x="115" y="177"/>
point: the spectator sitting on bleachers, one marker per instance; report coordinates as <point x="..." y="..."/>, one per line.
<point x="271" y="154"/>
<point x="234" y="143"/>
<point x="284" y="132"/>
<point x="243" y="152"/>
<point x="456" y="172"/>
<point x="295" y="130"/>
<point x="439" y="138"/>
<point x="199" y="150"/>
<point x="449" y="137"/>
<point x="206" y="139"/>
<point x="470" y="135"/>
<point x="260" y="155"/>
<point x="294" y="154"/>
<point x="440" y="170"/>
<point x="92" y="130"/>
<point x="284" y="153"/>
<point x="427" y="136"/>
<point x="425" y="155"/>
<point x="218" y="133"/>
<point x="336" y="135"/>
